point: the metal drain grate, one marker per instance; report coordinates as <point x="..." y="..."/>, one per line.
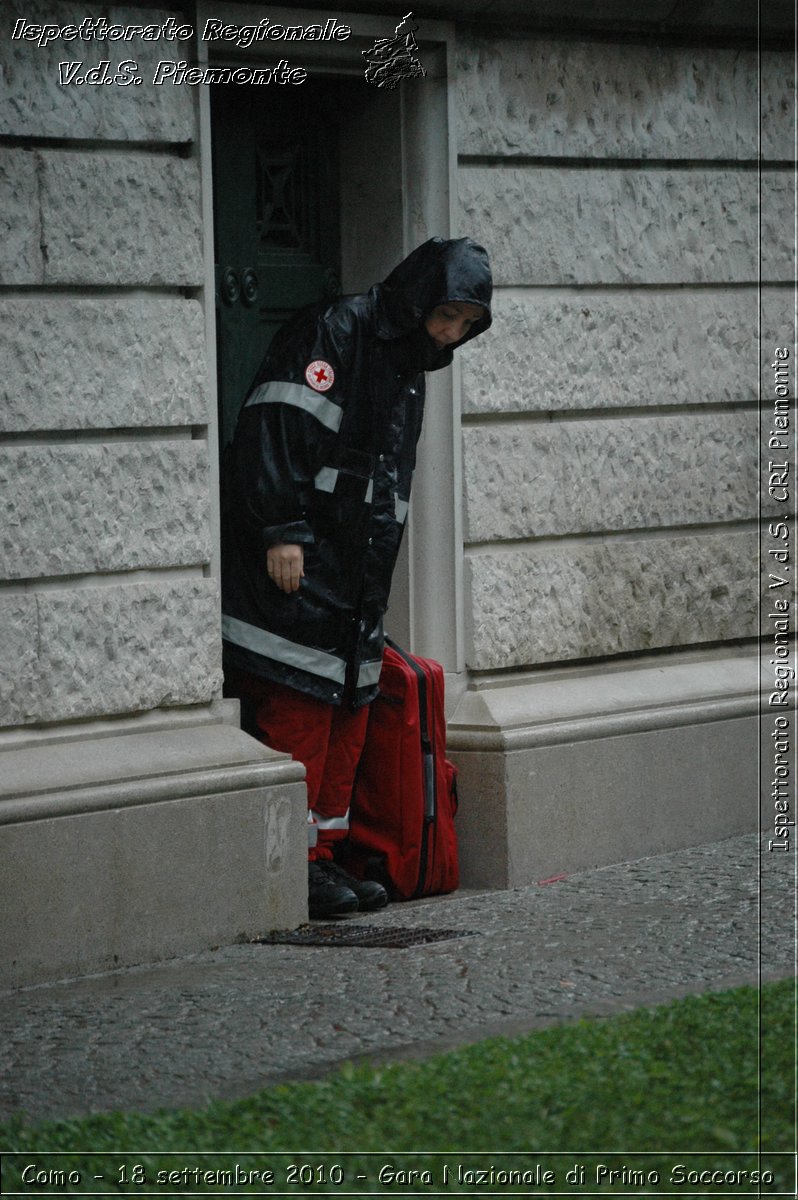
<point x="360" y="935"/>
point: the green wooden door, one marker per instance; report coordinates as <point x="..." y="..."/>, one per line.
<point x="276" y="209"/>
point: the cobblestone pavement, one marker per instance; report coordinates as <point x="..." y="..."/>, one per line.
<point x="227" y="1022"/>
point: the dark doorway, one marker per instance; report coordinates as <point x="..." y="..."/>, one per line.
<point x="276" y="173"/>
<point x="308" y="190"/>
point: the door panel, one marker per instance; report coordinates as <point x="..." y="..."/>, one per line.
<point x="277" y="222"/>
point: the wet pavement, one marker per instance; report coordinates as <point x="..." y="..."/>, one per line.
<point x="227" y="1022"/>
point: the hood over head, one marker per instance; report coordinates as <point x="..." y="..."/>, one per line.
<point x="441" y="270"/>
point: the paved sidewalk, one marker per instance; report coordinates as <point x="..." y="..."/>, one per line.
<point x="227" y="1022"/>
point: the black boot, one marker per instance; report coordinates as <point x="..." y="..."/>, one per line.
<point x="326" y="896"/>
<point x="370" y="894"/>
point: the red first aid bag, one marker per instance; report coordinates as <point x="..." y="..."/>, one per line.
<point x="405" y="798"/>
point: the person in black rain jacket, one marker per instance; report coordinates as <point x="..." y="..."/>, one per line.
<point x="316" y="485"/>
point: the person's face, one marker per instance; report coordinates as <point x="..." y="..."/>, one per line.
<point x="450" y="322"/>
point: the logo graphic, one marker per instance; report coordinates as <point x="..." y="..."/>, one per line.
<point x="392" y="59"/>
<point x="320" y="375"/>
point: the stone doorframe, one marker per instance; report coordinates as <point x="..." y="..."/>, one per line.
<point x="399" y="161"/>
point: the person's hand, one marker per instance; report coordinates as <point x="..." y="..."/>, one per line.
<point x="284" y="563"/>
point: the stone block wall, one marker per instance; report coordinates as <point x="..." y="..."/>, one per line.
<point x="610" y="443"/>
<point x="107" y="602"/>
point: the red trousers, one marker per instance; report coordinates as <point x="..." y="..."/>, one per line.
<point x="326" y="738"/>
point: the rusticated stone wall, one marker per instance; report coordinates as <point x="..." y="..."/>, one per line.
<point x="609" y="417"/>
<point x="106" y="604"/>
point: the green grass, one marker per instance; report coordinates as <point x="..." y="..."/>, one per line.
<point x="681" y="1077"/>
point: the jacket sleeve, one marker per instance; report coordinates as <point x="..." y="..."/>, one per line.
<point x="286" y="432"/>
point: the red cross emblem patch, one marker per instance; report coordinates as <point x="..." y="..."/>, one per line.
<point x="320" y="375"/>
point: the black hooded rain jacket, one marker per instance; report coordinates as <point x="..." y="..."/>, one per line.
<point x="323" y="456"/>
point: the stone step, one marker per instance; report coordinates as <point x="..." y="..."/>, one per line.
<point x="116" y="850"/>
